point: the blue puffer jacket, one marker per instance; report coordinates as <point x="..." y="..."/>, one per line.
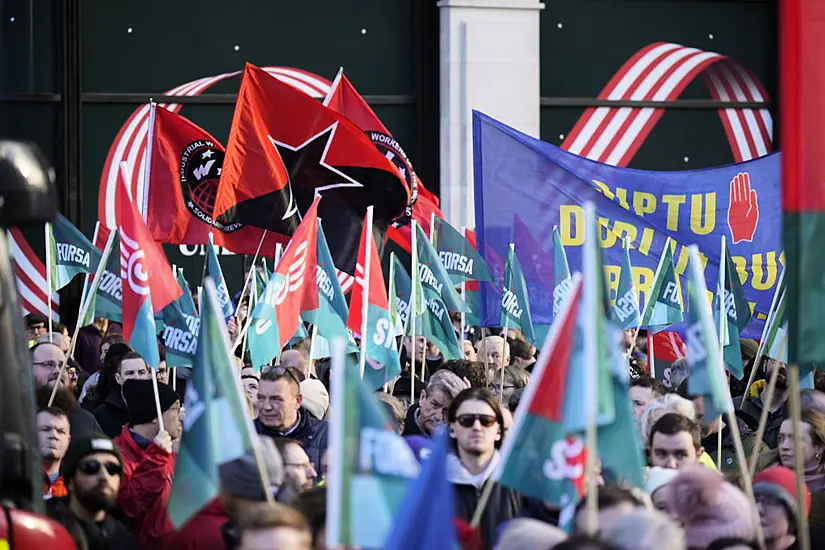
<point x="310" y="433"/>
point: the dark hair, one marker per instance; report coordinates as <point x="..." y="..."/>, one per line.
<point x="111" y="362"/>
<point x="54" y="411"/>
<point x="161" y="348"/>
<point x="515" y="399"/>
<point x="478" y="394"/>
<point x="673" y="423"/>
<point x="131" y="354"/>
<point x="519" y="349"/>
<point x="473" y="371"/>
<point x="584" y="542"/>
<point x="682" y="391"/>
<point x="59" y="327"/>
<point x="613" y="494"/>
<point x="722" y="544"/>
<point x="313" y="506"/>
<point x="113" y="338"/>
<point x="656" y="386"/>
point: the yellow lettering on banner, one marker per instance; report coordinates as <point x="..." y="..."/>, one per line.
<point x="607" y="238"/>
<point x="673" y="203"/>
<point x="782" y="258"/>
<point x="621" y="194"/>
<point x="680" y="265"/>
<point x="764" y="279"/>
<point x="643" y="280"/>
<point x="624" y="229"/>
<point x="703" y="222"/>
<point x="611" y="275"/>
<point x="644" y="203"/>
<point x="741" y="267"/>
<point x="647" y="239"/>
<point x="571" y="225"/>
<point x="604" y="189"/>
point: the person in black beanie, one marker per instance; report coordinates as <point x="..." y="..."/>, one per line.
<point x="92" y="470"/>
<point x="149" y="459"/>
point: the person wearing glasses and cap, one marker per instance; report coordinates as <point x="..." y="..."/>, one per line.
<point x="92" y="470"/>
<point x="477" y="429"/>
<point x="280" y="414"/>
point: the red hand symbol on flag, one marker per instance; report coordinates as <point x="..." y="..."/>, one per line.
<point x="743" y="211"/>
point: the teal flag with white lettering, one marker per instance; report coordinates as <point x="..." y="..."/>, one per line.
<point x="70" y="252"/>
<point x="179" y="325"/>
<point x="187" y="303"/>
<point x="434" y="277"/>
<point x="216" y="427"/>
<point x="213" y="270"/>
<point x="458" y="256"/>
<point x="515" y="304"/>
<point x="563" y="281"/>
<point x="107" y="299"/>
<point x="263" y="337"/>
<point x="664" y="301"/>
<point x="738" y="314"/>
<point x="626" y="302"/>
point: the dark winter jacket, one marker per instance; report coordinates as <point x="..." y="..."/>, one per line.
<point x="504" y="503"/>
<point x="112" y="415"/>
<point x="109" y="534"/>
<point x="309" y="432"/>
<point x="729" y="462"/>
<point x="411" y="427"/>
<point x="82" y="422"/>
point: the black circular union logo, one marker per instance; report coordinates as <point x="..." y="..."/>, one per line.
<point x="200" y="171"/>
<point x="390" y="148"/>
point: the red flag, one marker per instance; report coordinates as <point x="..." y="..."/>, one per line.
<point x="297" y="267"/>
<point x="345" y="99"/>
<point x="320" y="151"/>
<point x="185" y="163"/>
<point x="140" y="258"/>
<point x="377" y="292"/>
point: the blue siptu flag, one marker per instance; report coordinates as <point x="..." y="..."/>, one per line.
<point x="425" y="518"/>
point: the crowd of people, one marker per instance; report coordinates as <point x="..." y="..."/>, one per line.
<point x="108" y="466"/>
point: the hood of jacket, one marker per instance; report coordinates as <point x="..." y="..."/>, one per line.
<point x="457" y="474"/>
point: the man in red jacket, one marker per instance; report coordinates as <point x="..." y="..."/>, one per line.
<point x="148" y="460"/>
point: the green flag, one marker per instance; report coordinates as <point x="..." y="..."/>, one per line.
<point x="626" y="308"/>
<point x="776" y="335"/>
<point x="434" y="278"/>
<point x="664" y="302"/>
<point x="460" y="259"/>
<point x="70" y="252"/>
<point x="515" y="303"/>
<point x="738" y="313"/>
<point x="108" y="296"/>
<point x="707" y="376"/>
<point x="87" y="314"/>
<point x="433" y="323"/>
<point x="217" y="427"/>
<point x="213" y="270"/>
<point x="398" y="314"/>
<point x="562" y="283"/>
<point x="370" y="466"/>
<point x="187" y="303"/>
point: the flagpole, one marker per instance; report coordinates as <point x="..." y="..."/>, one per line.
<point x="278" y="253"/>
<point x="761" y="348"/>
<point x="365" y="287"/>
<point x="723" y="317"/>
<point x="312" y="339"/>
<point x="463" y="324"/>
<point x="337" y="428"/>
<point x="798" y="462"/>
<point x="636" y="296"/>
<point x="763" y="416"/>
<point x="49" y="282"/>
<point x="147" y="158"/>
<point x="412" y="316"/>
<point x="504" y="335"/>
<point x="161" y="427"/>
<point x="251" y="272"/>
<point x="334" y="87"/>
<point x="590" y="377"/>
<point x="88" y="275"/>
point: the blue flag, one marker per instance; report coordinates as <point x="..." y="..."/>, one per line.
<point x="546" y="187"/>
<point x="213" y="270"/>
<point x="425" y="519"/>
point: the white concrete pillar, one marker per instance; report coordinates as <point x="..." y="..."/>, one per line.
<point x="489" y="62"/>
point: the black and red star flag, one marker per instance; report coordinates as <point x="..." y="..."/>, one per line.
<point x="284" y="149"/>
<point x="345" y="99"/>
<point x="182" y="176"/>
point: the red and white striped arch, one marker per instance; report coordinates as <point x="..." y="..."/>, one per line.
<point x="660" y="72"/>
<point x="31" y="278"/>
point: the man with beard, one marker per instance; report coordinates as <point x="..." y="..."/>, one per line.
<point x="48" y="360"/>
<point x="92" y="470"/>
<point x="53" y="441"/>
<point x="299" y="473"/>
<point x="755" y="397"/>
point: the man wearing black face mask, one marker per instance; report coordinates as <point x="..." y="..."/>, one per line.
<point x="91" y="470"/>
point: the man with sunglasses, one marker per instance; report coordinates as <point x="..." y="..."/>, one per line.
<point x="477" y="428"/>
<point x="280" y="414"/>
<point x="92" y="470"/>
